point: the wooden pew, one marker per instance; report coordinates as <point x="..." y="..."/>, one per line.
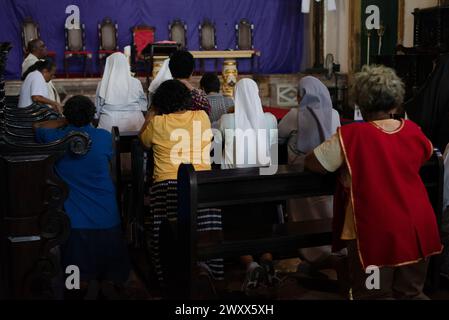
<point x="132" y="188"/>
<point x="17" y="123"/>
<point x="220" y="189"/>
<point x="121" y="142"/>
<point x="11" y="101"/>
<point x="32" y="220"/>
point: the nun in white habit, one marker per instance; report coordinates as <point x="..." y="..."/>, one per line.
<point x="120" y="98"/>
<point x="249" y="133"/>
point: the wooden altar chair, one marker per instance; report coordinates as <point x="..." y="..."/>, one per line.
<point x="108" y="40"/>
<point x="245" y="39"/>
<point x="142" y="36"/>
<point x="177" y="32"/>
<point x="76" y="49"/>
<point x="30" y="31"/>
<point x="208" y="40"/>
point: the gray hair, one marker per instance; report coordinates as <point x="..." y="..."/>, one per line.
<point x="377" y="89"/>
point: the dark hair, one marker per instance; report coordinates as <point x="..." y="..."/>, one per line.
<point x="40" y="65"/>
<point x="181" y="64"/>
<point x="79" y="111"/>
<point x="33" y="45"/>
<point x="172" y="96"/>
<point x="210" y="83"/>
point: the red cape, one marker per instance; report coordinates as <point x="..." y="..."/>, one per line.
<point x="394" y="219"/>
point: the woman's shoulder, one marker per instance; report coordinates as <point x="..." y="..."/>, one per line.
<point x="191" y="114"/>
<point x="411" y="124"/>
<point x="136" y="81"/>
<point x="199" y="114"/>
<point x="335" y="113"/>
<point x="271" y="120"/>
<point x="35" y="75"/>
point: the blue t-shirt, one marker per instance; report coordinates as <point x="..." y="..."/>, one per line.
<point x="91" y="203"/>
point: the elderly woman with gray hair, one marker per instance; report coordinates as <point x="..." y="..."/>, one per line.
<point x="305" y="128"/>
<point x="382" y="213"/>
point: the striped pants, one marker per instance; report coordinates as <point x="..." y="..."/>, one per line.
<point x="164" y="206"/>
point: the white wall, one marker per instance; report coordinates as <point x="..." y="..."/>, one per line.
<point x="336" y="29"/>
<point x="336" y="33"/>
<point x="409" y="7"/>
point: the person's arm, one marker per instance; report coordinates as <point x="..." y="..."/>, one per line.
<point x="144" y="136"/>
<point x="143" y="102"/>
<point x="40" y="99"/>
<point x="328" y="157"/>
<point x="50" y="124"/>
<point x="98" y="102"/>
<point x="312" y="164"/>
<point x="288" y="124"/>
<point x="43" y="132"/>
<point x="142" y="97"/>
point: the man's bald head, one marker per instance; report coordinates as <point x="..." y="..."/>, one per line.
<point x="38" y="48"/>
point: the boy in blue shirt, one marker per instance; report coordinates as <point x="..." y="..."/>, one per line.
<point x="96" y="243"/>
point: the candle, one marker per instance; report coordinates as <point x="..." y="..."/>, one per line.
<point x="380" y="33"/>
<point x="368" y="48"/>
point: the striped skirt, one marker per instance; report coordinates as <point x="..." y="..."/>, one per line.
<point x="163" y="207"/>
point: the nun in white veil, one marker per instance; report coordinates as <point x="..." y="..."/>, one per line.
<point x="163" y="75"/>
<point x="120" y="99"/>
<point x="249" y="133"/>
<point x="306" y="128"/>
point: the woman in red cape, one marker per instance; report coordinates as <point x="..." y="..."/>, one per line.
<point x="382" y="212"/>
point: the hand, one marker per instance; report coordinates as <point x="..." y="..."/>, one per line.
<point x="151" y="113"/>
<point x="57" y="107"/>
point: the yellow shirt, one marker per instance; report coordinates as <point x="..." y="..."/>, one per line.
<point x="330" y="155"/>
<point x="179" y="138"/>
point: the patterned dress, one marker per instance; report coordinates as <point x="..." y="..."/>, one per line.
<point x="163" y="208"/>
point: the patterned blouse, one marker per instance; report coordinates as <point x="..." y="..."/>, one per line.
<point x="199" y="101"/>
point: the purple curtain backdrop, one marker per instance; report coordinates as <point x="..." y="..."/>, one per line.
<point x="278" y="26"/>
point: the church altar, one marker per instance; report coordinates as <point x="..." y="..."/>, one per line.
<point x="230" y="71"/>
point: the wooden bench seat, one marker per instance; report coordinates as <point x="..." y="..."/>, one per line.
<point x="222" y="189"/>
<point x="284" y="239"/>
